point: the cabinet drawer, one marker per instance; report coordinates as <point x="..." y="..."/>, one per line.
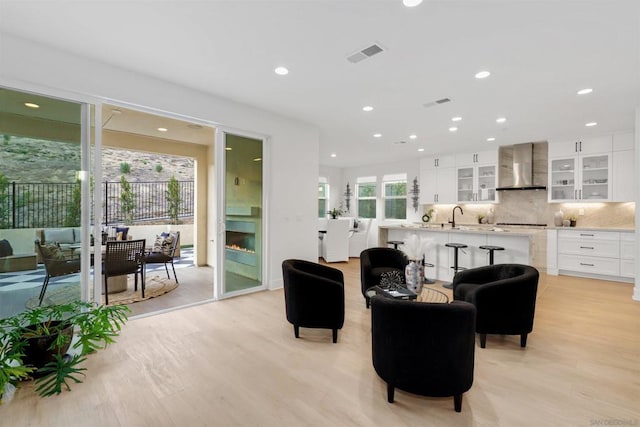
<point x="599" y="248"/>
<point x="588" y="235"/>
<point x="627" y="268"/>
<point x="627" y="250"/>
<point x="593" y="265"/>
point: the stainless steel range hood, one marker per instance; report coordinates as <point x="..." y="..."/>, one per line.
<point x="523" y="167"/>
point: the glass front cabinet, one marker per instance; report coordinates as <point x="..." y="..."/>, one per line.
<point x="580" y="170"/>
<point x="476" y="183"/>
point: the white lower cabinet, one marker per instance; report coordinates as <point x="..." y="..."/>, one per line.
<point x="596" y="253"/>
<point x="627" y="254"/>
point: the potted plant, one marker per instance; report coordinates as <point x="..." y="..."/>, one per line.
<point x="572" y="220"/>
<point x="335" y="213"/>
<point x="34" y="343"/>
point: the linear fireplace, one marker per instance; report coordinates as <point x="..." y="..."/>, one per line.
<point x="241" y="241"/>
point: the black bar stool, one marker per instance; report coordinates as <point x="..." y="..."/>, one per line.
<point x="456" y="247"/>
<point x="491" y="249"/>
<point x="395" y="243"/>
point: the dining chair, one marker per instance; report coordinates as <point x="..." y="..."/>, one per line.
<point x="123" y="257"/>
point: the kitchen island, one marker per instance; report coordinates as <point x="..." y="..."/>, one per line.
<point x="522" y="245"/>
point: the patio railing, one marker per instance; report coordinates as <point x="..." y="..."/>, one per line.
<point x="37" y="205"/>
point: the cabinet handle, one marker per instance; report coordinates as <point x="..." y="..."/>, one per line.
<point x="588" y="265"/>
<point x="580" y="145"/>
<point x="435" y="163"/>
<point x="586" y="235"/>
<point x="580" y="192"/>
<point x="586" y="247"/>
<point x="575" y="194"/>
<point x="576" y="149"/>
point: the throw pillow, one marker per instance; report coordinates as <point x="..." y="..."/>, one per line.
<point x="52" y="252"/>
<point x="5" y="248"/>
<point x="124" y="231"/>
<point x="163" y="244"/>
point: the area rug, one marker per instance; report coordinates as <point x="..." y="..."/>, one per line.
<point x="155" y="286"/>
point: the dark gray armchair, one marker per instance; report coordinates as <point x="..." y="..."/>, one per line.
<point x="504" y="295"/>
<point x="374" y="262"/>
<point x="314" y="296"/>
<point x="423" y="348"/>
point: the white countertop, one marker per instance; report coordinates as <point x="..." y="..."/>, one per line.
<point x="469" y="229"/>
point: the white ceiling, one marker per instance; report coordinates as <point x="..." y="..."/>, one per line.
<point x="540" y="53"/>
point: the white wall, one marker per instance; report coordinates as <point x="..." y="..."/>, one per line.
<point x="293" y="146"/>
<point x="410" y="167"/>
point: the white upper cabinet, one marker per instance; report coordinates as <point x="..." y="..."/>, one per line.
<point x="437" y="180"/>
<point x="580" y="170"/>
<point x="623" y="167"/>
<point x="476" y="176"/>
<point x="591" y="145"/>
<point x="477" y="158"/>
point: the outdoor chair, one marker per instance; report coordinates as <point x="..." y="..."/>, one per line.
<point x="123" y="257"/>
<point x="56" y="264"/>
<point x="164" y="251"/>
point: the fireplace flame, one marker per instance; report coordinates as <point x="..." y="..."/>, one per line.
<point x="240" y="248"/>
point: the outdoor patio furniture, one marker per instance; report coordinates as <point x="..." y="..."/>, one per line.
<point x="56" y="264"/>
<point x="164" y="251"/>
<point x="123" y="257"/>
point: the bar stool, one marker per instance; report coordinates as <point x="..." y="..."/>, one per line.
<point x="456" y="247"/>
<point x="491" y="249"/>
<point x="395" y="243"/>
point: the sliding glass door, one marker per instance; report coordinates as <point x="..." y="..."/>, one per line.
<point x="43" y="182"/>
<point x="241" y="226"/>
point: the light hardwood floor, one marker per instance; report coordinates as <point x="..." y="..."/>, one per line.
<point x="236" y="362"/>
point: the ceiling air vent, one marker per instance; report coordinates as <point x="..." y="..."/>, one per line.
<point x="365" y="53"/>
<point x="436" y="102"/>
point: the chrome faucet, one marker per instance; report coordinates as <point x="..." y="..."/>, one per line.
<point x="453" y="216"/>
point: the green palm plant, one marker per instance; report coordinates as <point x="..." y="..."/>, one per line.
<point x="95" y="327"/>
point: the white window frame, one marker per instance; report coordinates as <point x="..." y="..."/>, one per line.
<point x="392" y="179"/>
<point x="367" y="180"/>
<point x="323" y="181"/>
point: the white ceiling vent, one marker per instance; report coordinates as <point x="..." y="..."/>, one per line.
<point x="365" y="53"/>
<point x="436" y="102"/>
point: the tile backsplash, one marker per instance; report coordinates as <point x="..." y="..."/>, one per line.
<point x="532" y="207"/>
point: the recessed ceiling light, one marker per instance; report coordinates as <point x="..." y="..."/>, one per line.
<point x="333" y="154"/>
<point x="491" y="139"/>
<point x="585" y="91"/>
<point x="453" y="129"/>
<point x="377" y="135"/>
<point x="281" y="71"/>
<point x="228" y="148"/>
<point x="413" y="136"/>
<point x="482" y="75"/>
<point x="162" y="129"/>
<point x="31" y="105"/>
<point x="421" y="149"/>
<point x="501" y="119"/>
<point x="367" y="108"/>
<point x="456" y="119"/>
<point x="590" y="124"/>
<point x="411" y="3"/>
<point x="257" y="159"/>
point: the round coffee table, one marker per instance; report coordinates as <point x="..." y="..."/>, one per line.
<point x="433" y="295"/>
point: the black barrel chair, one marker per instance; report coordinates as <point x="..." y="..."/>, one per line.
<point x="423" y="348"/>
<point x="313" y="295"/>
<point x="374" y="262"/>
<point x="504" y="295"/>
